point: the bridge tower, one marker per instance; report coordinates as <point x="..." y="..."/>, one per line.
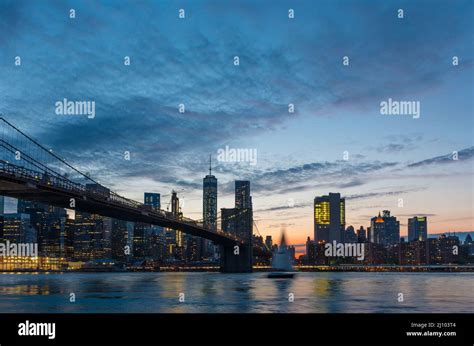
<point x="236" y="259"/>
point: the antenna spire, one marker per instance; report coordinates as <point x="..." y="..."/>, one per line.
<point x="210" y="164"/>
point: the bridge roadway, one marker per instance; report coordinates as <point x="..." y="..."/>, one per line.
<point x="22" y="183"/>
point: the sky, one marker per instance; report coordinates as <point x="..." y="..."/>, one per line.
<point x="300" y="155"/>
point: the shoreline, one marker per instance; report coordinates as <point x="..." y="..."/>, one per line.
<point x="306" y="269"/>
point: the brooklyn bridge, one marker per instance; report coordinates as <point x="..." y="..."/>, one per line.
<point x="30" y="171"/>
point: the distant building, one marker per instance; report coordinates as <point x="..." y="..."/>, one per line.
<point x="361" y="235"/>
<point x="329" y="218"/>
<point x="119" y="240"/>
<point x="258" y="240"/>
<point x="141" y="240"/>
<point x="89" y="242"/>
<point x="153" y="200"/>
<point x="50" y="225"/>
<point x="268" y="241"/>
<point x="2" y="205"/>
<point x="175" y="238"/>
<point x="418" y="228"/>
<point x="411" y="253"/>
<point x="375" y="254"/>
<point x="310" y="251"/>
<point x="384" y="229"/>
<point x="239" y="220"/>
<point x="443" y="250"/>
<point x="350" y="235"/>
<point x="292" y="253"/>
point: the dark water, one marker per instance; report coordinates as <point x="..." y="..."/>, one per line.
<point x="215" y="292"/>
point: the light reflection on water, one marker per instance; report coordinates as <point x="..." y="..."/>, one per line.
<point x="215" y="292"/>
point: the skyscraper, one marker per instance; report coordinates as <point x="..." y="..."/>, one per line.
<point x="176" y="237"/>
<point x="418" y="228"/>
<point x="239" y="220"/>
<point x="242" y="194"/>
<point x="310" y="251"/>
<point x="17" y="228"/>
<point x="329" y="218"/>
<point x="384" y="229"/>
<point x="209" y="210"/>
<point x="153" y="200"/>
<point x="119" y="240"/>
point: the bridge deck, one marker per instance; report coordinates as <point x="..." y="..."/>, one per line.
<point x="21" y="183"/>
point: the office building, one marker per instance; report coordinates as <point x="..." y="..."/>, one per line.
<point x="384" y="229"/>
<point x="329" y="218"/>
<point x="209" y="210"/>
<point x="418" y="228"/>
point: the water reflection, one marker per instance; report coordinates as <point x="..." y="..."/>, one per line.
<point x="215" y="292"/>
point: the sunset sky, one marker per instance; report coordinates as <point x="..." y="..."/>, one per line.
<point x="282" y="61"/>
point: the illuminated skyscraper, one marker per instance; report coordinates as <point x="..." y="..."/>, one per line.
<point x="329" y="218"/>
<point x="384" y="229"/>
<point x="209" y="210"/>
<point x="242" y="195"/>
<point x="418" y="228"/>
<point x="17" y="228"/>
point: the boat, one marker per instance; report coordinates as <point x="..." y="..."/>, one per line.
<point x="281" y="262"/>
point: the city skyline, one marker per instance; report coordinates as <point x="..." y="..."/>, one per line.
<point x="300" y="154"/>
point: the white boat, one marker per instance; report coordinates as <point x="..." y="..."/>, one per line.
<point x="281" y="262"/>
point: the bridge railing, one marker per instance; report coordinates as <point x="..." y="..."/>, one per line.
<point x="39" y="177"/>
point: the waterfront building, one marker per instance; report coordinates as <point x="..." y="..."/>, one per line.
<point x="119" y="240"/>
<point x="329" y="218"/>
<point x="384" y="229"/>
<point x="141" y="238"/>
<point x="17" y="228"/>
<point x="418" y="228"/>
<point x="89" y="242"/>
<point x="443" y="250"/>
<point x="310" y="251"/>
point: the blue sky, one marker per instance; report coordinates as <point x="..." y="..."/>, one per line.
<point x="282" y="61"/>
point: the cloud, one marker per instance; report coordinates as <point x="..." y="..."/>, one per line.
<point x="368" y="195"/>
<point x="463" y="155"/>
